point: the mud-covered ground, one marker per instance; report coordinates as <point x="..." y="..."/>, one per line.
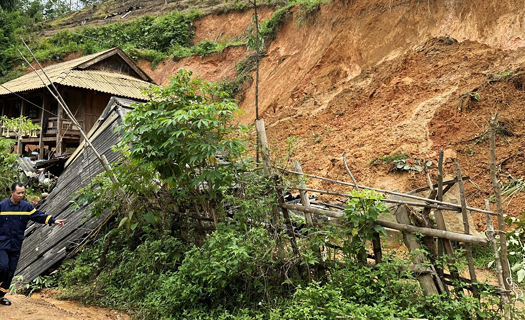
<point x="42" y="306"/>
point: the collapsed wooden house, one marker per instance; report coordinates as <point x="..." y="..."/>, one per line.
<point x="85" y="83"/>
<point x="46" y="246"/>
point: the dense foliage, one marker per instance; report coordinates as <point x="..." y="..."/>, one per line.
<point x="7" y="167"/>
<point x="8" y="164"/>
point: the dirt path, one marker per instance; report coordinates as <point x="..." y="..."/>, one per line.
<point x="42" y="307"/>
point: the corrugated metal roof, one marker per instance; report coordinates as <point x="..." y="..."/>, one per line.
<point x="66" y="74"/>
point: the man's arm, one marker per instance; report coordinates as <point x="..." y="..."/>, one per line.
<point x="42" y="217"/>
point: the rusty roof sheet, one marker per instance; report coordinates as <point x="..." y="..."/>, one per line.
<point x="66" y="74"/>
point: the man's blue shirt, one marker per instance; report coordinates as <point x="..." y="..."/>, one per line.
<point x="13" y="222"/>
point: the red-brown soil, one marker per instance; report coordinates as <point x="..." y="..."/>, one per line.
<point x="230" y="25"/>
<point x="212" y="67"/>
<point x="43" y="306"/>
<point x="373" y="78"/>
<point x="377" y="77"/>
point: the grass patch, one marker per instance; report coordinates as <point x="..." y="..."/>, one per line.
<point x="243" y="78"/>
<point x="393" y="157"/>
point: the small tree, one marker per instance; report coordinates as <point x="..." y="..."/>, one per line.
<point x="186" y="134"/>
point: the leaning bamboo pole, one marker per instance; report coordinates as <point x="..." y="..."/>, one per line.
<point x="396" y="226"/>
<point x="466" y="229"/>
<point x="497" y="261"/>
<point x="497" y="192"/>
<point x="394" y="193"/>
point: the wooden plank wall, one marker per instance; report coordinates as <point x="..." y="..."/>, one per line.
<point x="45" y="246"/>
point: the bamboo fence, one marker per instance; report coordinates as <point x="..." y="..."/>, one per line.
<point x="431" y="279"/>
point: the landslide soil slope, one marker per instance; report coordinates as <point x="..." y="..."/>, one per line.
<point x="375" y="77"/>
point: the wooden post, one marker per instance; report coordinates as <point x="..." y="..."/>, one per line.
<point x="263" y="142"/>
<point x="499" y="271"/>
<point x="466" y="228"/>
<point x="426" y="281"/>
<point x="425" y="222"/>
<point x="261" y="131"/>
<point x="304" y="195"/>
<point x="288" y="223"/>
<point x="19" y="143"/>
<point x="41" y="136"/>
<point x="58" y="150"/>
<point x="497" y="192"/>
<point x="446" y="245"/>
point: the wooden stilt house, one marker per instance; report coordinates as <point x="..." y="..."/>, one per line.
<point x="86" y="84"/>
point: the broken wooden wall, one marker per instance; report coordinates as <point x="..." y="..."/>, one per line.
<point x="45" y="246"/>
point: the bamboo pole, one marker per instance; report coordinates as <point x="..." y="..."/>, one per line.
<point x="497" y="261"/>
<point x="414" y="204"/>
<point x="261" y="131"/>
<point x="466" y="227"/>
<point x="400" y="194"/>
<point x="445" y="244"/>
<point x="425" y="280"/>
<point x="396" y="226"/>
<point x="497" y="192"/>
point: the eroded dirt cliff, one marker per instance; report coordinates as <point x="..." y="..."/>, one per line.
<point x="377" y="77"/>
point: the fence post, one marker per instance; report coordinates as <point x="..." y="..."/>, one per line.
<point x="497" y="192"/>
<point x="466" y="229"/>
<point x="426" y="281"/>
<point x="304" y="195"/>
<point x="261" y="130"/>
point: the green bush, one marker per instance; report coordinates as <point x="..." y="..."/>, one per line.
<point x="231" y="270"/>
<point x="7" y="167"/>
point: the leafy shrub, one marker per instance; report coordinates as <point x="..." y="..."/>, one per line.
<point x="232" y="269"/>
<point x="7" y="167"/>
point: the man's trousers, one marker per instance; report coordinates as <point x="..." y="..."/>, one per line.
<point x="8" y="262"/>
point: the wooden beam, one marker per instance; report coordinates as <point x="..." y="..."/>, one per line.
<point x="41" y="135"/>
<point x="425" y="280"/>
<point x="404" y="195"/>
<point x="396" y="226"/>
<point x="448" y="182"/>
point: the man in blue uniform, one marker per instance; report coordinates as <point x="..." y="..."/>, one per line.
<point x="14" y="216"/>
